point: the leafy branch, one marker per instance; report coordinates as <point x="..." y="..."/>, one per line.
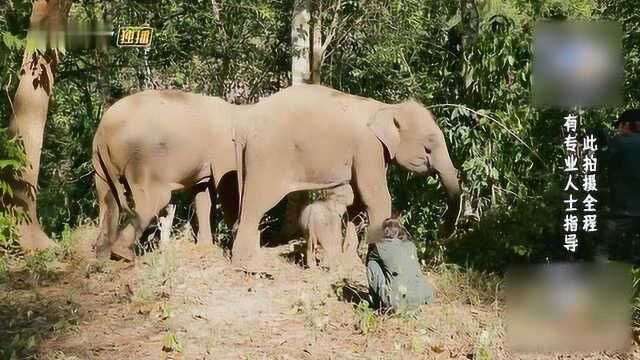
<point x="501" y="124"/>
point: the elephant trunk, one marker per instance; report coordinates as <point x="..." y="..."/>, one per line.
<point x="442" y="164"/>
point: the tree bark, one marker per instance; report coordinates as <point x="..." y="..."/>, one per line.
<point x="301" y="73"/>
<point x="31" y="103"/>
<point x="300" y="41"/>
<point x="316" y="43"/>
<point x="306" y="63"/>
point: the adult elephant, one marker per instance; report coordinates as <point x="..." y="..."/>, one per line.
<point x="310" y="137"/>
<point x="152" y="143"/>
<point x="303" y="138"/>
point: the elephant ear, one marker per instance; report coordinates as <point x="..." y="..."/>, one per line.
<point x="386" y="128"/>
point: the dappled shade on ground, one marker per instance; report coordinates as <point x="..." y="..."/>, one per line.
<point x="190" y="303"/>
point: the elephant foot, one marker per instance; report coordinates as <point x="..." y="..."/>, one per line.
<point x="204" y="241"/>
<point x="350" y="262"/>
<point x="327" y="265"/>
<point x="245" y="253"/>
<point x="103" y="252"/>
<point x="120" y="252"/>
<point x="311" y="264"/>
<point x="32" y="238"/>
<point x="250" y="263"/>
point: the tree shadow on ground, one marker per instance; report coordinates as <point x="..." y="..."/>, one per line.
<point x="28" y="318"/>
<point x="351" y="292"/>
<point x="295" y="253"/>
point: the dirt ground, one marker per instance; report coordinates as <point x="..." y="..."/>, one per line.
<point x="186" y="302"/>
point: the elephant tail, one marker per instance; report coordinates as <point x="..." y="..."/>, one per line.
<point x="115" y="186"/>
<point x="240" y="146"/>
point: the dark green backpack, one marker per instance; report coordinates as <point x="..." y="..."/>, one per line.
<point x="395" y="279"/>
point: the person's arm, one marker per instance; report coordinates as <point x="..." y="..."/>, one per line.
<point x="376" y="279"/>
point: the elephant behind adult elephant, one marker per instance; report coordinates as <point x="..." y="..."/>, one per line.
<point x="151" y="143"/>
<point x="310" y="137"/>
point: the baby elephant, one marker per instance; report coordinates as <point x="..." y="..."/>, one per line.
<point x="321" y="222"/>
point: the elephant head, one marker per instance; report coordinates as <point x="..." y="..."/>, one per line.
<point x="414" y="140"/>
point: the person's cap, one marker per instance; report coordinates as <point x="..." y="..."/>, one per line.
<point x="628" y="116"/>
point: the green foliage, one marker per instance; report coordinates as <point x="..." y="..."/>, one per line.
<point x="467" y="285"/>
<point x="165" y="311"/>
<point x="39" y="264"/>
<point x="66" y="244"/>
<point x="366" y="319"/>
<point x="170" y="342"/>
<point x="472" y="70"/>
<point x="12" y="160"/>
<point x="4" y="269"/>
<point x="505" y="240"/>
<point x="18" y="344"/>
<point x="12" y="156"/>
<point x="476" y="79"/>
<point x="484" y="346"/>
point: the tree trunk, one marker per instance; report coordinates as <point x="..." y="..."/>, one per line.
<point x="31" y="103"/>
<point x="300" y="41"/>
<point x="316" y="43"/>
<point x="306" y="42"/>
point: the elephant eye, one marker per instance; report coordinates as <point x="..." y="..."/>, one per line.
<point x="396" y="123"/>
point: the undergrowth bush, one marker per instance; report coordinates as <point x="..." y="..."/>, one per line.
<point x="12" y="160"/>
<point x="525" y="232"/>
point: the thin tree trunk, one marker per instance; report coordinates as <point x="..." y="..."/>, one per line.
<point x="316" y="43"/>
<point x="301" y="73"/>
<point x="31" y="103"/>
<point x="300" y="41"/>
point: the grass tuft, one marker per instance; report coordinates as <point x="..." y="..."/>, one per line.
<point x="366" y="319"/>
<point x="467" y="285"/>
<point x="171" y="343"/>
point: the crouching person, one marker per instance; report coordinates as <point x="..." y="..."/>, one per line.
<point x="393" y="271"/>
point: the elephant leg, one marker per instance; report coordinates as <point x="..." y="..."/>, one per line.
<point x="357" y="211"/>
<point x="371" y="182"/>
<point x="311" y="247"/>
<point x="205" y="213"/>
<point x="257" y="200"/>
<point x="108" y="219"/>
<point x="332" y="242"/>
<point x="350" y="246"/>
<point x="149" y="200"/>
<point x="378" y="209"/>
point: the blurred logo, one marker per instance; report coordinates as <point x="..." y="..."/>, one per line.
<point x="577" y="64"/>
<point x="135" y="36"/>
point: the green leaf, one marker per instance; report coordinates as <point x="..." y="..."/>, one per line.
<point x="7" y="39"/>
<point x="453" y="21"/>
